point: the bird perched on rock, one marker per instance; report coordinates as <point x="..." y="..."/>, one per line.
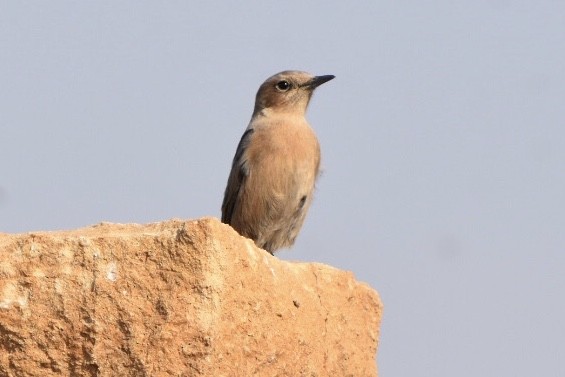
<point x="276" y="163"/>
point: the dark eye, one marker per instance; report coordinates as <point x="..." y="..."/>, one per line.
<point x="283" y="85"/>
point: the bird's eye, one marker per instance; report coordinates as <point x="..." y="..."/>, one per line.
<point x="283" y="85"/>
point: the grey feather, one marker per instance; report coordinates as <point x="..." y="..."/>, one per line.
<point x="239" y="171"/>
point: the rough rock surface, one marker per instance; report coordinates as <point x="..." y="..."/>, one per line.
<point x="177" y="298"/>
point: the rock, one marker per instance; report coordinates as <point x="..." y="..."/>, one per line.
<point x="177" y="298"/>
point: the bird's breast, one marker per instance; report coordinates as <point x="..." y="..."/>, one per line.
<point x="284" y="155"/>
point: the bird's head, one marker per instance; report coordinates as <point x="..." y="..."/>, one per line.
<point x="288" y="91"/>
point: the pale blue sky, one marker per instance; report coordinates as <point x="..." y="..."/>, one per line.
<point x="443" y="142"/>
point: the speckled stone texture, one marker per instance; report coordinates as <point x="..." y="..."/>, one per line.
<point x="177" y="298"/>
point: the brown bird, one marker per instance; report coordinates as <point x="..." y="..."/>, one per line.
<point x="276" y="163"/>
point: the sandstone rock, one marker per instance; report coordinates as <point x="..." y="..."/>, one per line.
<point x="177" y="298"/>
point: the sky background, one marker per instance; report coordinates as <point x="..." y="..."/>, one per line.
<point x="443" y="143"/>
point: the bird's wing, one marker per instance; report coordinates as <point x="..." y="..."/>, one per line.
<point x="236" y="180"/>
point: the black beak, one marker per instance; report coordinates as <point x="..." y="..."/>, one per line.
<point x="319" y="80"/>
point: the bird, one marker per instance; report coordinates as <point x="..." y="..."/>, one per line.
<point x="277" y="161"/>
